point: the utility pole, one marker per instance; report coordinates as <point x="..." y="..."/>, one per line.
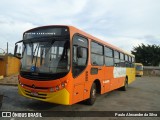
<point x="6" y="61"/>
<point x="7" y="48"/>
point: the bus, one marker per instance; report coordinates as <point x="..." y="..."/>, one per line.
<point x="64" y="65"/>
<point x="139" y="69"/>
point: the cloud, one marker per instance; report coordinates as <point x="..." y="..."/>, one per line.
<point x="130" y="22"/>
<point x="11" y="31"/>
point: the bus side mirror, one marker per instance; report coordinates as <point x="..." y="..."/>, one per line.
<point x="16" y="53"/>
<point x="15" y="49"/>
<point x="79" y="52"/>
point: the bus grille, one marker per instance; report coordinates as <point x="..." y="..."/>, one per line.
<point x="39" y="95"/>
<point x="44" y="88"/>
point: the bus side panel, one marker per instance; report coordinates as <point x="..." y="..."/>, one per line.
<point x="99" y="76"/>
<point x="108" y="76"/>
<point x="80" y="91"/>
<point x="121" y="81"/>
<point x="119" y="75"/>
<point x="131" y="74"/>
<point x="87" y="89"/>
<point x="88" y="83"/>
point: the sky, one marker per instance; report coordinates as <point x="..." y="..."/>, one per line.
<point x="123" y="23"/>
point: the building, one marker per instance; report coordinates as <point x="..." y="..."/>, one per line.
<point x="9" y="65"/>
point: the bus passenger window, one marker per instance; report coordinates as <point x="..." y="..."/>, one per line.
<point x="96" y="54"/>
<point x="108" y="57"/>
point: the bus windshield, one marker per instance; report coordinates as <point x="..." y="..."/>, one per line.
<point x="46" y="57"/>
<point x="139" y="67"/>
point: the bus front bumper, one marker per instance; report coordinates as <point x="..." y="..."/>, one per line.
<point x="59" y="97"/>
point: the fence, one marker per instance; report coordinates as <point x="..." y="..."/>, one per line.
<point x="151" y="71"/>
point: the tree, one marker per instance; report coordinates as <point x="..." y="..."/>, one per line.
<point x="148" y="55"/>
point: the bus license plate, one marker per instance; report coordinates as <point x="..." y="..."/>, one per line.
<point x="34" y="93"/>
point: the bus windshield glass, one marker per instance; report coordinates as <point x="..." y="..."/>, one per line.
<point x="46" y="56"/>
<point x="139" y="67"/>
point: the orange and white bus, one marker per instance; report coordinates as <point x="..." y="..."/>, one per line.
<point x="64" y="65"/>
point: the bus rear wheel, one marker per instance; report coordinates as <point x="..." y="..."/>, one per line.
<point x="92" y="98"/>
<point x="124" y="88"/>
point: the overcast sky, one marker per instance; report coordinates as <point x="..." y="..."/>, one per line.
<point x="124" y="23"/>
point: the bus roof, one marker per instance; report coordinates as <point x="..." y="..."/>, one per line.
<point x="138" y="64"/>
<point x="100" y="41"/>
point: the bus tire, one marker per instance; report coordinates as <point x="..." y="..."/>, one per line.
<point x="92" y="99"/>
<point x="124" y="88"/>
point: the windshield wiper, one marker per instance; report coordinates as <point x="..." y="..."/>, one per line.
<point x="34" y="52"/>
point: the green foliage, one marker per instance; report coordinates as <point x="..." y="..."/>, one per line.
<point x="149" y="55"/>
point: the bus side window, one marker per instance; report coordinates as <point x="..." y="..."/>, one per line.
<point x="97" y="57"/>
<point x="116" y="58"/>
<point x="108" y="57"/>
<point x="79" y="60"/>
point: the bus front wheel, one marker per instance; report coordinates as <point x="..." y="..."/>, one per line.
<point x="92" y="98"/>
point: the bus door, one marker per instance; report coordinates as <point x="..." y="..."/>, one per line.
<point x="79" y="65"/>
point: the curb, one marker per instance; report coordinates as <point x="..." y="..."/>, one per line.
<point x="8" y="84"/>
<point x="1" y="99"/>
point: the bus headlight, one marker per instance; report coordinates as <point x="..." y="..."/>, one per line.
<point x="57" y="87"/>
<point x="20" y="83"/>
<point x="51" y="90"/>
<point x="63" y="85"/>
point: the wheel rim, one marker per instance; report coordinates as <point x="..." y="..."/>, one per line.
<point x="94" y="93"/>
